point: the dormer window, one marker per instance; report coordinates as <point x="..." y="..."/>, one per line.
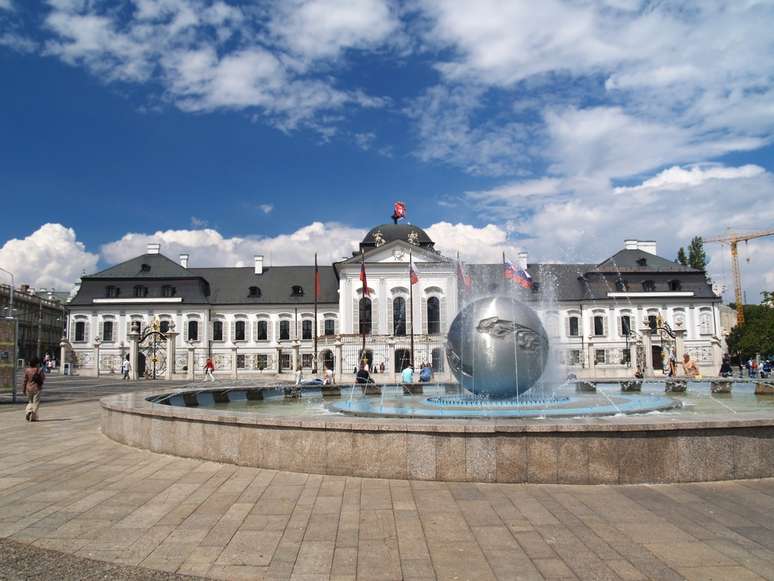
<point x="140" y="291"/>
<point x="642" y="262"/>
<point x="297" y="291"/>
<point x="675" y="285"/>
<point x="648" y="286"/>
<point x="253" y="291"/>
<point x="112" y="292"/>
<point x="145" y="267"/>
<point x="621" y="285"/>
<point x="168" y="291"/>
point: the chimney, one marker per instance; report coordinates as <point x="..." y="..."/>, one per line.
<point x="184" y="260"/>
<point x="154" y="248"/>
<point x="648" y="246"/>
<point x="631" y="244"/>
<point x="259" y="264"/>
<point x="523" y="256"/>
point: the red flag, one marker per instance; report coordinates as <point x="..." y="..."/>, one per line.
<point x="366" y="293"/>
<point x="398" y="211"/>
<point x="463" y="279"/>
<point x="316" y="278"/>
<point x="413" y="276"/>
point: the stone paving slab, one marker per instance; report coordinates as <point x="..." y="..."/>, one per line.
<point x="122" y="513"/>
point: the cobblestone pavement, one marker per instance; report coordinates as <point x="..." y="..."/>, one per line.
<point x="64" y="486"/>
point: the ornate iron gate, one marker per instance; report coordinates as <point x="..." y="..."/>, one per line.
<point x="152" y="352"/>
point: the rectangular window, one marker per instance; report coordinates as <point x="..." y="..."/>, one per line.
<point x="111" y="292"/>
<point x="599" y="356"/>
<point x="574" y="357"/>
<point x="653" y="322"/>
<point x="164" y="327"/>
<point x="285" y="361"/>
<point x="80" y="331"/>
<point x="574" y="326"/>
<point x="217" y="330"/>
<point x="284" y="331"/>
<point x="168" y="291"/>
<point x="599" y="325"/>
<point x="626" y="325"/>
<point x="107" y="331"/>
<point x="306" y="360"/>
<point x="306" y="329"/>
<point x="626" y="356"/>
<point x="263" y="331"/>
<point x="240" y="361"/>
<point x="239" y="330"/>
<point x="193" y="330"/>
<point x="330" y="327"/>
<point x="262" y="361"/>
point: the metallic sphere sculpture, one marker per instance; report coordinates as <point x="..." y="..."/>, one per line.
<point x="497" y="347"/>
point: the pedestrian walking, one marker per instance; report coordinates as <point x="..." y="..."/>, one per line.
<point x="33" y="385"/>
<point x="126" y="367"/>
<point x="209" y="367"/>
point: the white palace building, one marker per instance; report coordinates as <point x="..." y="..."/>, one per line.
<point x="607" y="319"/>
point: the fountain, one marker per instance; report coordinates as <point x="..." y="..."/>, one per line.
<point x="509" y="418"/>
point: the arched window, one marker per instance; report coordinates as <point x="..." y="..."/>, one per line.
<point x="365" y="316"/>
<point x="328" y="359"/>
<point x="217" y="330"/>
<point x="330" y="327"/>
<point x="653" y="322"/>
<point x="437" y="359"/>
<point x="573" y="329"/>
<point x="80" y="331"/>
<point x="599" y="325"/>
<point x="433" y="316"/>
<point x="239" y="330"/>
<point x="193" y="330"/>
<point x="402" y="359"/>
<point x="284" y="330"/>
<point x="164" y="327"/>
<point x="626" y="325"/>
<point x="306" y="329"/>
<point x="262" y="332"/>
<point x="399" y="316"/>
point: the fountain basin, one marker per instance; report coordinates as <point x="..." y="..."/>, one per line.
<point x="306" y="436"/>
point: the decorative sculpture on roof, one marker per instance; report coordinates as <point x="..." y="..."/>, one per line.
<point x="379" y="238"/>
<point x="413" y="238"/>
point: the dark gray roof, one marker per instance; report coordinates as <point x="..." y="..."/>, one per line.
<point x="640" y="261"/>
<point x="579" y="282"/>
<point x="144" y="266"/>
<point x="390" y="232"/>
<point x="231" y="285"/>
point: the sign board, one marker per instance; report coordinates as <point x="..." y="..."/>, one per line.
<point x="7" y="354"/>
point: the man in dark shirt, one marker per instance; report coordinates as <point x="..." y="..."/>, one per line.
<point x="362" y="375"/>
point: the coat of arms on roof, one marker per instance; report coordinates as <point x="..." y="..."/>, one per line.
<point x="379" y="238"/>
<point x="413" y="238"/>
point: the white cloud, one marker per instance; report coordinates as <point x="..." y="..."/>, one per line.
<point x="6" y="5"/>
<point x="323" y="29"/>
<point x="678" y="178"/>
<point x="266" y="208"/>
<point x="208" y="247"/>
<point x="49" y="257"/>
<point x="475" y="245"/>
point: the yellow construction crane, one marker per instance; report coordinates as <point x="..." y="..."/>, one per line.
<point x="732" y="240"/>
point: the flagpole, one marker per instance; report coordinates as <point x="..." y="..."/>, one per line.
<point x="411" y="307"/>
<point x="503" y="281"/>
<point x="316" y="292"/>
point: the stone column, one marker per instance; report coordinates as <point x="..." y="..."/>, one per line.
<point x="63" y="344"/>
<point x="338" y="357"/>
<point x="134" y="337"/>
<point x="191" y="375"/>
<point x="233" y="360"/>
<point x="717" y="354"/>
<point x="647" y="369"/>
<point x="679" y="343"/>
<point x="97" y="343"/>
<point x="296" y="356"/>
<point x="389" y="365"/>
<point x="171" y="350"/>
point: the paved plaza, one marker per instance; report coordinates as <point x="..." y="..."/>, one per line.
<point x="65" y="487"/>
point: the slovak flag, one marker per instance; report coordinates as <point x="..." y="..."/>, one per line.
<point x="413" y="276"/>
<point x="366" y="292"/>
<point x="518" y="275"/>
<point x="464" y="279"/>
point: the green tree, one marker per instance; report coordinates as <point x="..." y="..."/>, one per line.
<point x="697" y="258"/>
<point x="756" y="335"/>
<point x="768" y="298"/>
<point x="681" y="257"/>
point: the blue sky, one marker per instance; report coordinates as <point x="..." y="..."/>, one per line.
<point x="225" y="128"/>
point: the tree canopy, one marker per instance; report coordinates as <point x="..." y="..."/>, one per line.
<point x="756" y="335"/>
<point x="681" y="257"/>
